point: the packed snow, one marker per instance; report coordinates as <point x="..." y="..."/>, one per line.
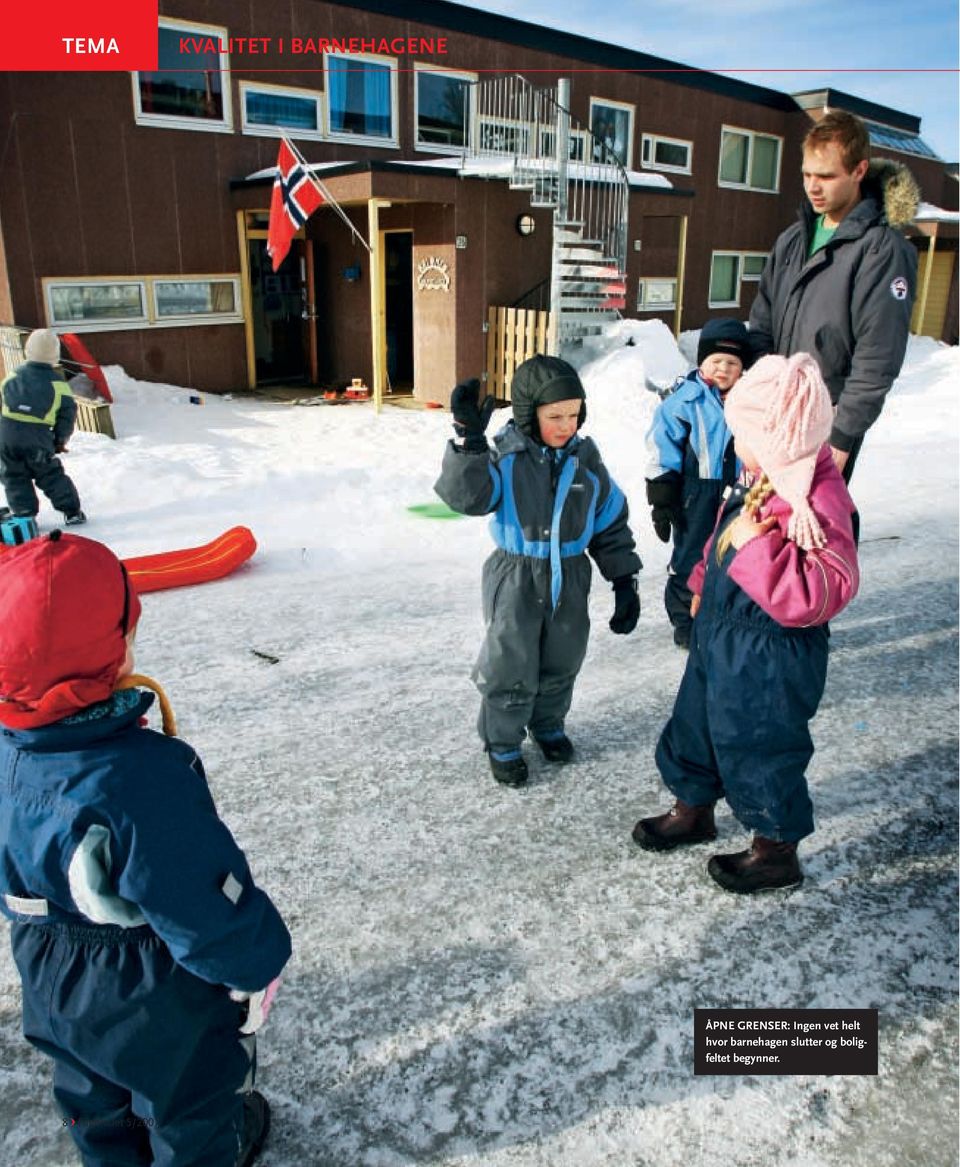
<point x="485" y="976"/>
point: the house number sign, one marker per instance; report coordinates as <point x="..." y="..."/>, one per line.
<point x="433" y="274"/>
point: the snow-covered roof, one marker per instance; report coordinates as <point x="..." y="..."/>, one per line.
<point x="928" y="213"/>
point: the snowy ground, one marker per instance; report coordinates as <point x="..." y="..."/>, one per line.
<point x="484" y="976"/>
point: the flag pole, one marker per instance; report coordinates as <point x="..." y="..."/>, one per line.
<point x="327" y="196"/>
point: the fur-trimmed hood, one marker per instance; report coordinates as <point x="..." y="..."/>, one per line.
<point x="894" y="188"/>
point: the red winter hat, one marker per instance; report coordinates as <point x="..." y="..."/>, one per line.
<point x="67" y="606"/>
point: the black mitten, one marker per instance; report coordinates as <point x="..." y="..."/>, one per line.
<point x="470" y="418"/>
<point x="663" y="495"/>
<point x="626" y="610"/>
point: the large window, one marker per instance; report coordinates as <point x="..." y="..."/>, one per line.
<point x="275" y="109"/>
<point x="612" y="123"/>
<point x="659" y="153"/>
<point x="90" y="304"/>
<point x="362" y="98"/>
<point x="189" y="90"/>
<point x="730" y="269"/>
<point x="442" y="109"/>
<point x="748" y="160"/>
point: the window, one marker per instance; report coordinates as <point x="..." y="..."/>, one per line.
<point x="666" y="153"/>
<point x="189" y="90"/>
<point x="274" y="109"/>
<point x="724" y="280"/>
<point x="89" y="304"/>
<point x="655" y="294"/>
<point x="362" y="99"/>
<point x="502" y="136"/>
<point x="442" y="109"/>
<point x="612" y="123"/>
<point x="749" y="160"/>
<point x="730" y="269"/>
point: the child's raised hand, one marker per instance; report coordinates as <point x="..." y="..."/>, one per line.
<point x="745" y="527"/>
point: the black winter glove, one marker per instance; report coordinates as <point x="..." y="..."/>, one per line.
<point x="663" y="494"/>
<point x="626" y="612"/>
<point x="470" y="418"/>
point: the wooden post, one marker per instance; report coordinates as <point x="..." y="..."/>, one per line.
<point x="681" y="271"/>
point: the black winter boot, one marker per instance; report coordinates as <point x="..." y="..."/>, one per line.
<point x="256" y="1127"/>
<point x="510" y="771"/>
<point x="556" y="749"/>
<point x="767" y="865"/>
<point x="682" y="824"/>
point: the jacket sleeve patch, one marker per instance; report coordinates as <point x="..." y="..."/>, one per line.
<point x="232" y="888"/>
<point x="26" y="905"/>
<point x="899" y="288"/>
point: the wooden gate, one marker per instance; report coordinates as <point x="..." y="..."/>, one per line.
<point x="513" y="335"/>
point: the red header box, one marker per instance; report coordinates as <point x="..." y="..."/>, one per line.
<point x="64" y="36"/>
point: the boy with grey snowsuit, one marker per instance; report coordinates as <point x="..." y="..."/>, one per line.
<point x="37" y="415"/>
<point x="551" y="500"/>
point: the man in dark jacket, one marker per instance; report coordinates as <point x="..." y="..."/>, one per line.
<point x="37" y="415"/>
<point x="839" y="283"/>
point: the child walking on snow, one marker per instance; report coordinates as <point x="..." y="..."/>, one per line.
<point x="781" y="563"/>
<point x="691" y="460"/>
<point x="552" y="500"/>
<point x="147" y="953"/>
<point x="37" y="415"/>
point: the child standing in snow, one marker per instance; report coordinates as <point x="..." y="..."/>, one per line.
<point x="147" y="953"/>
<point x="781" y="563"/>
<point x="552" y="500"/>
<point x="37" y="415"/>
<point x="691" y="460"/>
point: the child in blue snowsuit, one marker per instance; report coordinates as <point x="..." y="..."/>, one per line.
<point x="691" y="460"/>
<point x="147" y="953"/>
<point x="552" y="501"/>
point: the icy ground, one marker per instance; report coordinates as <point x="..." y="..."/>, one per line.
<point x="491" y="977"/>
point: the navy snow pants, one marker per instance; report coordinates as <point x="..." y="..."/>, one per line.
<point x="148" y="1060"/>
<point x="701" y="498"/>
<point x="21" y="467"/>
<point x="739" y="728"/>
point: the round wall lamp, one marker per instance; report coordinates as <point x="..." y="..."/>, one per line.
<point x="526" y="224"/>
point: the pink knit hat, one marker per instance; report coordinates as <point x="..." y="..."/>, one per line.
<point x="781" y="409"/>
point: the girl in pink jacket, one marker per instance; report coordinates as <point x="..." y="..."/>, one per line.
<point x="782" y="561"/>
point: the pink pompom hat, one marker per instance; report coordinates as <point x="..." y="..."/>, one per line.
<point x="781" y="410"/>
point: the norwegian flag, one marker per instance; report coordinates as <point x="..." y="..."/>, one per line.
<point x="294" y="200"/>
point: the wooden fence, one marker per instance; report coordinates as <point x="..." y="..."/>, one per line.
<point x="513" y="335"/>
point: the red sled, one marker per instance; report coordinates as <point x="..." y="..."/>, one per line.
<point x="80" y="355"/>
<point x="192" y="565"/>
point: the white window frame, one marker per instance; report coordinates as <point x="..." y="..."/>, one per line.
<point x="260" y="131"/>
<point x="715" y="255"/>
<point x="651" y="141"/>
<point x="151" y="317"/>
<point x="171" y="121"/>
<point x="643" y="306"/>
<point x="751" y="136"/>
<point x="627" y="162"/>
<point x="438" y="147"/>
<point x="746" y="278"/>
<point x="391" y="143"/>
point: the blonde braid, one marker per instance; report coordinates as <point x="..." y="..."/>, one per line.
<point x="753" y="500"/>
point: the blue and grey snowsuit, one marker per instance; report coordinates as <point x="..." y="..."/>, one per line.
<point x="134" y="912"/>
<point x="690" y="447"/>
<point x="549" y="508"/>
<point x="37" y="415"/>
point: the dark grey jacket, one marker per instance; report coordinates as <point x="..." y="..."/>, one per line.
<point x="849" y="305"/>
<point x="37" y="408"/>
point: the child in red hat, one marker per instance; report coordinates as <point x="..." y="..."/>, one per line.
<point x="147" y="953"/>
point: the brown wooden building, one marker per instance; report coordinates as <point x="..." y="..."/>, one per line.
<point x="134" y="206"/>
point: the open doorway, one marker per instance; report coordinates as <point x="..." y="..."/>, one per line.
<point x="282" y="315"/>
<point x="398" y="309"/>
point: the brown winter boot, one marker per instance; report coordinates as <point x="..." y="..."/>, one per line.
<point x="766" y="866"/>
<point x="680" y="825"/>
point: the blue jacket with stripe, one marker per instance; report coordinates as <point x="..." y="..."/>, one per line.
<point x="547" y="505"/>
<point x="104" y="822"/>
<point x="37" y="408"/>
